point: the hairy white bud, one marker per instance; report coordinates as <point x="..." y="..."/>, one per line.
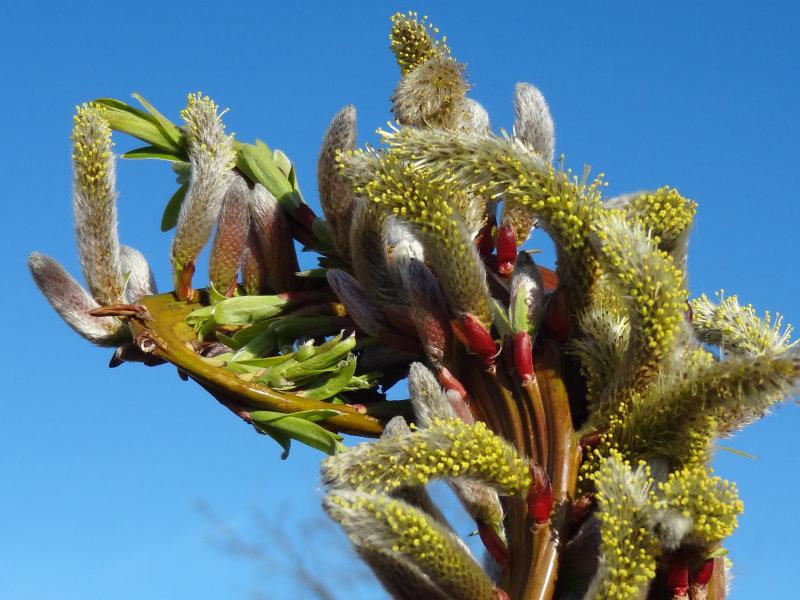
<point x="534" y="124"/>
<point x="137" y="270"/>
<point x="335" y="194"/>
<point x="73" y="303"/>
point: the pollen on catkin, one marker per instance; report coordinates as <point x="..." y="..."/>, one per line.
<point x="211" y="157"/>
<point x="445" y="449"/>
<point x="491" y="166"/>
<point x="411" y="41"/>
<point x="738" y="329"/>
<point x="412" y="196"/>
<point x="664" y="214"/>
<point x="401" y="533"/>
<point x="711" y="503"/>
<point x="94" y="204"/>
<point x="628" y="551"/>
<point x="652" y="291"/>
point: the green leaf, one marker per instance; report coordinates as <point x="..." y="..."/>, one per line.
<point x="323" y="233"/>
<point x="173" y="208"/>
<point x="247" y="309"/>
<point x="183" y="170"/>
<point x="330" y="385"/>
<point x="300" y="426"/>
<point x="500" y="318"/>
<point x="322" y="361"/>
<point x="283" y="162"/>
<point x="127" y="119"/>
<point x="152" y="152"/>
<point x="168" y="128"/>
<point x="257" y="163"/>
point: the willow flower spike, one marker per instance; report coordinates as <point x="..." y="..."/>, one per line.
<point x="94" y="204"/>
<point x="446" y="448"/>
<point x="573" y="412"/>
<point x="427" y="557"/>
<point x="211" y="158"/>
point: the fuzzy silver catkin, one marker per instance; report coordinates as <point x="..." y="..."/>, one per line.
<point x="368" y="254"/>
<point x="94" y="204"/>
<point x="232" y="232"/>
<point x="335" y="194"/>
<point x="274" y="236"/>
<point x="534" y="124"/>
<point x="428" y="309"/>
<point x="352" y="296"/>
<point x="140" y="276"/>
<point x="477" y="119"/>
<point x="211" y="157"/>
<point x="432" y="95"/>
<point x="73" y="303"/>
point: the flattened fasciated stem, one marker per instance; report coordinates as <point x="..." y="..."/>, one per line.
<point x="168" y="336"/>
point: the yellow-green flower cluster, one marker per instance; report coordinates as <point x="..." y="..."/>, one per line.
<point x="738" y="329"/>
<point x="711" y="503"/>
<point x="391" y="533"/>
<point x="95" y="203"/>
<point x="412" y="196"/>
<point x="564" y="205"/>
<point x="447" y="448"/>
<point x="204" y="130"/>
<point x="412" y="43"/>
<point x="628" y="550"/>
<point x="735" y="391"/>
<point x="652" y="289"/>
<point x="664" y="214"/>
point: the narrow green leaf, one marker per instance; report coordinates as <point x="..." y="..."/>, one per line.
<point x="500" y="318"/>
<point x="127" y="119"/>
<point x="168" y="128"/>
<point x="300" y="426"/>
<point x="152" y="152"/>
<point x="173" y="208"/>
<point x="330" y="385"/>
<point x="321" y="361"/>
<point x="247" y="309"/>
<point x="257" y="163"/>
<point x="283" y="162"/>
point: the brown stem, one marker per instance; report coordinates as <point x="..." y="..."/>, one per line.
<point x="563" y="475"/>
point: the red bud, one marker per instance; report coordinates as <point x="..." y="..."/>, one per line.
<point x="703" y="574"/>
<point x="540" y="496"/>
<point x="678" y="576"/>
<point x="449" y="382"/>
<point x="506" y="250"/>
<point x="523" y="355"/>
<point x="494" y="545"/>
<point x="476" y="338"/>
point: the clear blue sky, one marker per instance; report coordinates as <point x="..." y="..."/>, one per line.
<point x="101" y="470"/>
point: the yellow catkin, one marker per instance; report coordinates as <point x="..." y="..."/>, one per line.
<point x="395" y="532"/>
<point x="628" y="550"/>
<point x="710" y="502"/>
<point x="411" y="41"/>
<point x="664" y="214"/>
<point x="447" y="448"/>
<point x="412" y="196"/>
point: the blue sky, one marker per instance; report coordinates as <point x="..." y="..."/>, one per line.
<point x="102" y="470"/>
